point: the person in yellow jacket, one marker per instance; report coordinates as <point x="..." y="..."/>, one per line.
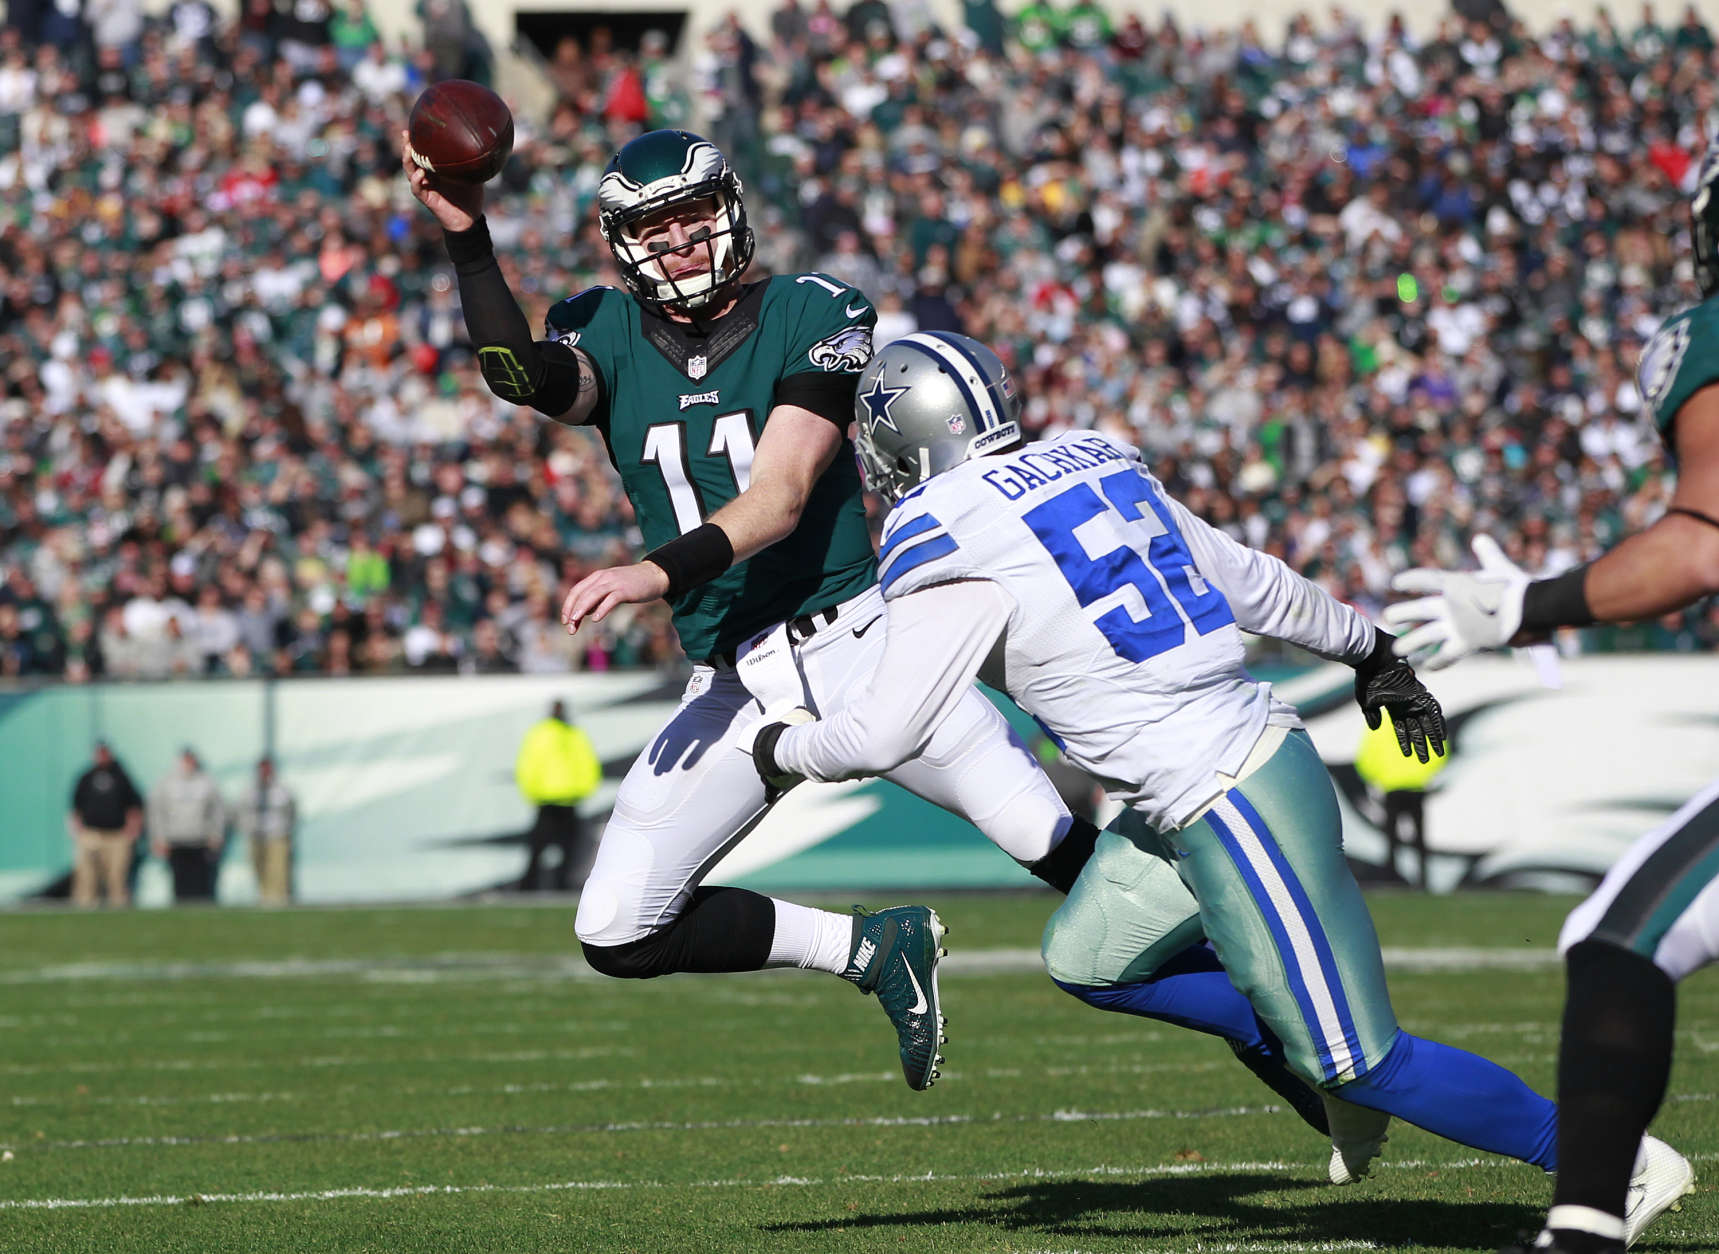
<point x="557" y="769"/>
<point x="1402" y="781"/>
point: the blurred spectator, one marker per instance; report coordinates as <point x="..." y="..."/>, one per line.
<point x="267" y="816"/>
<point x="187" y="827"/>
<point x="1357" y="296"/>
<point x="556" y="769"/>
<point x="105" y="820"/>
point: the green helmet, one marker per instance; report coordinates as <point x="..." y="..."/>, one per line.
<point x="1705" y="212"/>
<point x="658" y="170"/>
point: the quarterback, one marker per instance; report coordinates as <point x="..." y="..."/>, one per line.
<point x="1062" y="573"/>
<point x="1655" y="916"/>
<point x="724" y="406"/>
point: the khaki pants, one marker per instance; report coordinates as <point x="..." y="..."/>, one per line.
<point x="103" y="855"/>
<point x="273" y="862"/>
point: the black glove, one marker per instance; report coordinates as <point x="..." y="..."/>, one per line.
<point x="1384" y="682"/>
<point x="776" y="780"/>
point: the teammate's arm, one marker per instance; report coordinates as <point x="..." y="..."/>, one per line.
<point x="1673" y="563"/>
<point x="935" y="641"/>
<point x="552" y="378"/>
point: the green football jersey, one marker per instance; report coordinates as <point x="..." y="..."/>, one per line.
<point x="681" y="412"/>
<point x="1679" y="361"/>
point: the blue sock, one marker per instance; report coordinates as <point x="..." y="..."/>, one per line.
<point x="1191" y="990"/>
<point x="1461" y="1097"/>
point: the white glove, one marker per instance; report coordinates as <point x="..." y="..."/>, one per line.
<point x="1467" y="610"/>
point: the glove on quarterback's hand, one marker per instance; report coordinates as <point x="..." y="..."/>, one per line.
<point x="763" y="749"/>
<point x="1384" y="682"/>
<point x="1465" y="612"/>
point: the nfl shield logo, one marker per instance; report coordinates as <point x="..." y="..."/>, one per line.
<point x="696" y="366"/>
<point x="957" y="424"/>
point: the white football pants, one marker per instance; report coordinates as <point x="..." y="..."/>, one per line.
<point x="693" y="793"/>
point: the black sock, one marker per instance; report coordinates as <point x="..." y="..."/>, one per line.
<point x="1061" y="866"/>
<point x="1612" y="1070"/>
<point x="721" y="929"/>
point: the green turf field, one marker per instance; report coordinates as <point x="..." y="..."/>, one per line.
<point x="452" y="1079"/>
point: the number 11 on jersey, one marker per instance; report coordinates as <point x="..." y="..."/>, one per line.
<point x="665" y="448"/>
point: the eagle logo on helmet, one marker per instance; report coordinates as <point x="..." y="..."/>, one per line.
<point x="663" y="170"/>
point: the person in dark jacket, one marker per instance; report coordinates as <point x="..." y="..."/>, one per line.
<point x="104" y="822"/>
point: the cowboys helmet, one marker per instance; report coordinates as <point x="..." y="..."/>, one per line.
<point x="1705" y="212"/>
<point x="927" y="402"/>
<point x="657" y="171"/>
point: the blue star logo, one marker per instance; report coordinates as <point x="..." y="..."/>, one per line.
<point x="877" y="403"/>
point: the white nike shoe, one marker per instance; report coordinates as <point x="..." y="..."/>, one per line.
<point x="1357" y="1138"/>
<point x="1661" y="1178"/>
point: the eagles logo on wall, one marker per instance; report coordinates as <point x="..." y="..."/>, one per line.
<point x="847" y="350"/>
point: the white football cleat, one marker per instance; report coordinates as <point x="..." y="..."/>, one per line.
<point x="1357" y="1138"/>
<point x="1662" y="1176"/>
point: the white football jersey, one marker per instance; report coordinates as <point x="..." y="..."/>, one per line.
<point x="1123" y="638"/>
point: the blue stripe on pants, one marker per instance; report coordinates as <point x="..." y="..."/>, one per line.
<point x="1310" y="918"/>
<point x="1280" y="935"/>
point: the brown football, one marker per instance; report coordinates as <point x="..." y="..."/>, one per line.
<point x="461" y="130"/>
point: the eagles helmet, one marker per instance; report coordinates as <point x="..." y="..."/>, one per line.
<point x="1705" y="212"/>
<point x="656" y="171"/>
<point x="927" y="402"/>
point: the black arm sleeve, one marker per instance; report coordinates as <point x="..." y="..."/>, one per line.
<point x="825" y="394"/>
<point x="518" y="368"/>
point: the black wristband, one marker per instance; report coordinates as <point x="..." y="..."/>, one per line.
<point x="1561" y="601"/>
<point x="470" y="247"/>
<point x="697" y="557"/>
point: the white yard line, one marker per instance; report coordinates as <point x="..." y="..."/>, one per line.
<point x="467" y="967"/>
<point x="293" y="1064"/>
<point x="647" y="1082"/>
<point x="706" y="1125"/>
<point x="330" y="1195"/>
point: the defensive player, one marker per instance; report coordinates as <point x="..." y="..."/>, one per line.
<point x="1655" y="916"/>
<point x="724" y="405"/>
<point x="1063" y="573"/>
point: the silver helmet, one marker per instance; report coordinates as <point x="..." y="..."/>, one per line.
<point x="927" y="402"/>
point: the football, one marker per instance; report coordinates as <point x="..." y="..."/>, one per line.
<point x="461" y="130"/>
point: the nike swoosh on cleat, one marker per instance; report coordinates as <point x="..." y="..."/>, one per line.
<point x="860" y="631"/>
<point x="921" y="1006"/>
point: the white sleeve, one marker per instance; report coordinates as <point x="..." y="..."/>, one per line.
<point x="1270" y="599"/>
<point x="934" y="643"/>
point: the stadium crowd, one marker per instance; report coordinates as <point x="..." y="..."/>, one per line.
<point x="1357" y="296"/>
